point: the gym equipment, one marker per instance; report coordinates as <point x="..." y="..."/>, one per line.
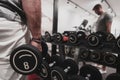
<point x="107" y="37"/>
<point x="59" y="38"/>
<point x="69" y="51"/>
<point x="113" y="76"/>
<point x="94" y="39"/>
<point x="116" y="47"/>
<point x="58" y="73"/>
<point x="47" y="37"/>
<point x="47" y="58"/>
<point x="67" y="33"/>
<point x="44" y="71"/>
<point x="90" y="72"/>
<point x="110" y="58"/>
<point x="26" y="59"/>
<point x="69" y="68"/>
<point x="98" y="38"/>
<point x="76" y="37"/>
<point x="84" y="23"/>
<point x="110" y="37"/>
<point x="95" y="55"/>
<point x="83" y="54"/>
<point x="56" y="60"/>
<point x="75" y="77"/>
<point x="118" y="42"/>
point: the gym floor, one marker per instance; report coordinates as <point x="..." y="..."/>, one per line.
<point x="109" y="71"/>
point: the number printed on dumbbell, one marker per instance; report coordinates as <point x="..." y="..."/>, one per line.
<point x="26" y="65"/>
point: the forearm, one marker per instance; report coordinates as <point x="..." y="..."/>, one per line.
<point x="32" y="10"/>
<point x="109" y="26"/>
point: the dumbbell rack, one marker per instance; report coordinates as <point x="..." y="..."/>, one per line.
<point x="55" y="26"/>
<point x="117" y="66"/>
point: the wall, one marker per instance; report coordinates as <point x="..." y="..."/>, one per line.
<point x="47" y="15"/>
<point x="70" y="16"/>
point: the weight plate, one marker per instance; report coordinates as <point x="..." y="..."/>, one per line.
<point x="102" y="34"/>
<point x="113" y="76"/>
<point x="73" y="38"/>
<point x="56" y="60"/>
<point x="118" y="42"/>
<point x="81" y="35"/>
<point x="90" y="72"/>
<point x="110" y="37"/>
<point x="47" y="36"/>
<point x="75" y="77"/>
<point x="93" y="40"/>
<point x="95" y="55"/>
<point x="25" y="59"/>
<point x="110" y="58"/>
<point x="70" y="67"/>
<point x="58" y="73"/>
<point x="83" y="53"/>
<point x="57" y="37"/>
<point x="44" y="71"/>
<point x="47" y="58"/>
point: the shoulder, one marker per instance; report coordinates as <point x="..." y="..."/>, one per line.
<point x="107" y="15"/>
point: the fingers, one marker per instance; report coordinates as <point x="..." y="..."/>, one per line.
<point x="37" y="45"/>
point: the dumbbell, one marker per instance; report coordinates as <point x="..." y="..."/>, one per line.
<point x="118" y="42"/>
<point x="83" y="54"/>
<point x="76" y="77"/>
<point x="56" y="60"/>
<point x="69" y="67"/>
<point x="59" y="38"/>
<point x="107" y="37"/>
<point x="76" y="37"/>
<point x="66" y="33"/>
<point x="110" y="58"/>
<point x="45" y="70"/>
<point x="90" y="72"/>
<point x="110" y="37"/>
<point x="116" y="47"/>
<point x="96" y="39"/>
<point x="113" y="76"/>
<point x="47" y="37"/>
<point x="26" y="59"/>
<point x="95" y="55"/>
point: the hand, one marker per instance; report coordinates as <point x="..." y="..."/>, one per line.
<point x="37" y="45"/>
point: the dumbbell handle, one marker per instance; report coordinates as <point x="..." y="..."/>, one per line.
<point x="66" y="70"/>
<point x="51" y="64"/>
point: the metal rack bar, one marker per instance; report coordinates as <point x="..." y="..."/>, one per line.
<point x="55" y="23"/>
